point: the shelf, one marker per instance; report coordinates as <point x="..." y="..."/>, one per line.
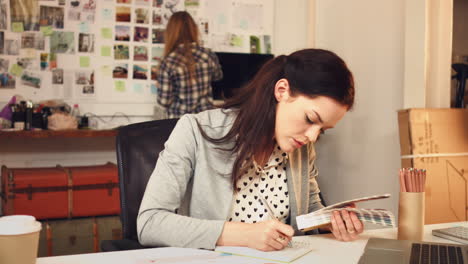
<point x="74" y="133"/>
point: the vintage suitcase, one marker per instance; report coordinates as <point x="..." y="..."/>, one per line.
<point x="61" y="192"/>
<point x="77" y="236"/>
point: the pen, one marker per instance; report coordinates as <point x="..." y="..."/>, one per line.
<point x="265" y="203"/>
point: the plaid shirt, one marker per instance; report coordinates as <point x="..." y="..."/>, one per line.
<point x="175" y="91"/>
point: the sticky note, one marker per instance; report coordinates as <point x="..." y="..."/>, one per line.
<point x="84" y="27"/>
<point x="84" y="61"/>
<point x="138" y="88"/>
<point x="106" y="70"/>
<point x="106" y="33"/>
<point x="106" y="51"/>
<point x="17" y="27"/>
<point x="47" y="30"/>
<point x="16" y="70"/>
<point x="120" y="86"/>
<point x="237" y="41"/>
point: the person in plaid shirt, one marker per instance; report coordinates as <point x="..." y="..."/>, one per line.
<point x="187" y="70"/>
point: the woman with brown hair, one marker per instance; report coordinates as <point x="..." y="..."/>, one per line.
<point x="187" y="70"/>
<point x="220" y="168"/>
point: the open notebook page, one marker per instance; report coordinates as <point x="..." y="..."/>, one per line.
<point x="287" y="255"/>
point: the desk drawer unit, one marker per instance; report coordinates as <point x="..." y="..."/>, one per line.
<point x="61" y="192"/>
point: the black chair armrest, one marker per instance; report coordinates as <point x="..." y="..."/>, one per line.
<point x="122" y="244"/>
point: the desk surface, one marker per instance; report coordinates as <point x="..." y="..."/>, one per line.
<point x="326" y="250"/>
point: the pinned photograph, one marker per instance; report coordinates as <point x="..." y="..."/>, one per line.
<point x="89" y="10"/>
<point x="27" y="63"/>
<point x="74" y="12"/>
<point x="85" y="42"/>
<point x="11" y="47"/>
<point x="141" y="34"/>
<point x="7" y="81"/>
<point x="44" y="61"/>
<point x="254" y="44"/>
<point x="157" y="3"/>
<point x="141" y="16"/>
<point x="52" y="61"/>
<point x="2" y="42"/>
<point x="140" y="53"/>
<point x="169" y="7"/>
<point x="25" y="12"/>
<point x="31" y="79"/>
<point x="157" y="35"/>
<point x="157" y="54"/>
<point x="157" y="18"/>
<point x="142" y="2"/>
<point x="122" y="33"/>
<point x="89" y="5"/>
<point x="51" y="16"/>
<point x="32" y="40"/>
<point x="120" y="71"/>
<point x="140" y="72"/>
<point x="124" y="1"/>
<point x="3" y="16"/>
<point x="62" y="42"/>
<point x="4" y="65"/>
<point x="57" y="76"/>
<point x="266" y="45"/>
<point x="123" y="14"/>
<point x="121" y="52"/>
<point x="84" y="77"/>
<point x="88" y="89"/>
<point x="154" y="72"/>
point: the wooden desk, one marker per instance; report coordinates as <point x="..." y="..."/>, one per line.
<point x="326" y="250"/>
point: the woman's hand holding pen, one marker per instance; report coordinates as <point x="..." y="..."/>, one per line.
<point x="345" y="225"/>
<point x="268" y="235"/>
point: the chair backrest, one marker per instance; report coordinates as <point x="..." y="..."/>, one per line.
<point x="138" y="147"/>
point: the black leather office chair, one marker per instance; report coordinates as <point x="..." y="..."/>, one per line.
<point x="138" y="147"/>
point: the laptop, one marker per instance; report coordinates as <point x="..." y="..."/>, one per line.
<point x="386" y="251"/>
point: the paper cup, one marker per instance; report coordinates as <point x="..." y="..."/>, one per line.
<point x="411" y="216"/>
<point x="19" y="239"/>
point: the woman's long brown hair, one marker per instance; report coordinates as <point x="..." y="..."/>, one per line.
<point x="181" y="29"/>
<point x="310" y="72"/>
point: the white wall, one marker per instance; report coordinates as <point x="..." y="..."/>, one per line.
<point x="291" y="29"/>
<point x="361" y="155"/>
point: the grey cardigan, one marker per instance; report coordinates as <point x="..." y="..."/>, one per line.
<point x="189" y="195"/>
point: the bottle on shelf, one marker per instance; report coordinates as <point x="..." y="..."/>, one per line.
<point x="75" y="112"/>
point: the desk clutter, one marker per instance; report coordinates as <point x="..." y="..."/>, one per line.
<point x="53" y="114"/>
<point x="411" y="204"/>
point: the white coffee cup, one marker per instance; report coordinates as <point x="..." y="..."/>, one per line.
<point x="19" y="239"/>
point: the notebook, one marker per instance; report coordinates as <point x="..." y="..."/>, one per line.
<point x="286" y="255"/>
<point x="322" y="217"/>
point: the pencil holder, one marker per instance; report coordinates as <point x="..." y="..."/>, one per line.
<point x="411" y="216"/>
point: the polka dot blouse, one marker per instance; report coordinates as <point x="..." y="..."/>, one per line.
<point x="270" y="182"/>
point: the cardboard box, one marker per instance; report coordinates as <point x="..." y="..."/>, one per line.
<point x="437" y="140"/>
